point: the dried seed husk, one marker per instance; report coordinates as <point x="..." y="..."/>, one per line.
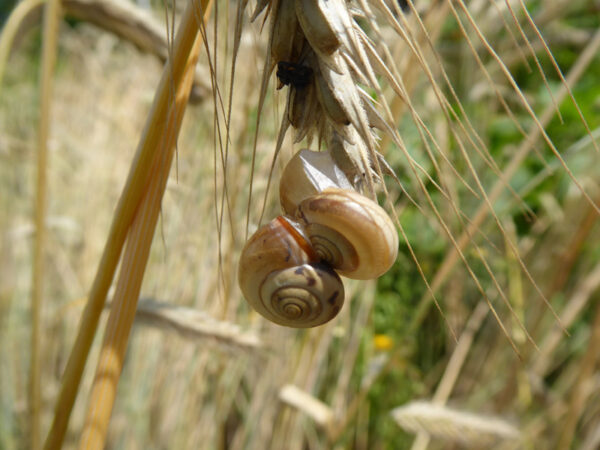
<point x="313" y="18"/>
<point x="260" y="6"/>
<point x="375" y="119"/>
<point x="342" y="88"/>
<point x="385" y="167"/>
<point x="347" y="156"/>
<point x="284" y="32"/>
<point x="340" y="152"/>
<point x="305" y="111"/>
<point x="378" y="65"/>
<point x="331" y="105"/>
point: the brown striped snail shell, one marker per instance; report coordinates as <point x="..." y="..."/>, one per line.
<point x="283" y="279"/>
<point x="350" y="232"/>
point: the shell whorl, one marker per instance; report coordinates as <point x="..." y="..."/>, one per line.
<point x="302" y="296"/>
<point x="281" y="277"/>
<point x="350" y="232"/>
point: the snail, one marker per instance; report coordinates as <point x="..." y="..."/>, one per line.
<point x="283" y="279"/>
<point x="288" y="269"/>
<point x="306" y="174"/>
<point x="350" y="232"/>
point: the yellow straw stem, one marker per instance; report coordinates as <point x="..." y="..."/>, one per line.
<point x="49" y="45"/>
<point x="148" y="155"/>
<point x="122" y="314"/>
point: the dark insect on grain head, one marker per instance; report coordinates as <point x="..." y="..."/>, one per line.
<point x="294" y="74"/>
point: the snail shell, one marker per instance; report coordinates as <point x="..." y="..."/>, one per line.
<point x="350" y="232"/>
<point x="307" y="173"/>
<point x="281" y="277"/>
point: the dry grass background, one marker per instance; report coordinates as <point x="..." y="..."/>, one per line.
<point x="212" y="374"/>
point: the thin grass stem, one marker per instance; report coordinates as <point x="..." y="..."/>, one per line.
<point x="479" y="216"/>
<point x="49" y="50"/>
<point x="578" y="394"/>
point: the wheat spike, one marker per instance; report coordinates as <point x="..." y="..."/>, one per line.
<point x="193" y="324"/>
<point x="460" y="427"/>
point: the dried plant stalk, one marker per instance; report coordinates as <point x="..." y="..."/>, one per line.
<point x="147" y="157"/>
<point x="120" y="321"/>
<point x="49" y="50"/>
<point x="578" y="395"/>
<point x="125" y="20"/>
<point x="132" y="23"/>
<point x="580" y="298"/>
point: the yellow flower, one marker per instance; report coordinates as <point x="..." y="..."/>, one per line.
<point x="383" y="342"/>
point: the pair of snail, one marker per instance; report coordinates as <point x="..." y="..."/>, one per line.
<point x="289" y="268"/>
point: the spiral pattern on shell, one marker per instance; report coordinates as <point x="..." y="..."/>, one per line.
<point x="302" y="296"/>
<point x="351" y="232"/>
<point x="281" y="277"/>
<point x="332" y="247"/>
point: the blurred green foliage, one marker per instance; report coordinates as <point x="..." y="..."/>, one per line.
<point x="416" y="357"/>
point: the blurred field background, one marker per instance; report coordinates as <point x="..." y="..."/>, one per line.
<point x="203" y="370"/>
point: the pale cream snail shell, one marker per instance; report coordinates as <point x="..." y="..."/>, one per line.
<point x="350" y="232"/>
<point x="308" y="173"/>
<point x="283" y="279"/>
